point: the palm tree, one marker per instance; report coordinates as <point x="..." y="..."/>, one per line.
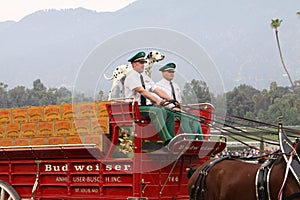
<point x="275" y="23"/>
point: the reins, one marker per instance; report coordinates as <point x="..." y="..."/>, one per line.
<point x="237" y="126"/>
<point x="228" y="132"/>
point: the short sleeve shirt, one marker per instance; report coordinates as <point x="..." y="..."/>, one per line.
<point x="165" y="85"/>
<point x="133" y="80"/>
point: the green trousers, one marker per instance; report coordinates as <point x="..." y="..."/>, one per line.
<point x="189" y="124"/>
<point x="164" y="118"/>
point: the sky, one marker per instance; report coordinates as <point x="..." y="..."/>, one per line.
<point x="17" y="9"/>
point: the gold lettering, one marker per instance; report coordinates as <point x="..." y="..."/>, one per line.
<point x="89" y="167"/>
<point x="113" y="179"/>
<point x="61" y="179"/>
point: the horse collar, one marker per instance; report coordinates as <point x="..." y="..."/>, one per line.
<point x="262" y="189"/>
<point x="288" y="149"/>
<point x="201" y="179"/>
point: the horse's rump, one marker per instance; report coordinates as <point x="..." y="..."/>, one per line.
<point x="228" y="179"/>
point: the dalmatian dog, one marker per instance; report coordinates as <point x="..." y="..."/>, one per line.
<point x="152" y="57"/>
<point x="120" y="72"/>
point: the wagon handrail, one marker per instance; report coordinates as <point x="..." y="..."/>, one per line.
<point x="122" y="99"/>
<point x="198" y="104"/>
<point x="207" y="135"/>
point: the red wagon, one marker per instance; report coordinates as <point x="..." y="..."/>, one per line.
<point x="127" y="162"/>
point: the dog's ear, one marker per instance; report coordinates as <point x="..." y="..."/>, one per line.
<point x="149" y="55"/>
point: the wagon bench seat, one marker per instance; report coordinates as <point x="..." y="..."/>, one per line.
<point x="128" y="114"/>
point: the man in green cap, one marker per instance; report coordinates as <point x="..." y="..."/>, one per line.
<point x="140" y="86"/>
<point x="167" y="84"/>
<point x="188" y="123"/>
<point x="140" y="56"/>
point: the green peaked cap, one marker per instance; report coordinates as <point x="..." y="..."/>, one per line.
<point x="169" y="66"/>
<point x="140" y="56"/>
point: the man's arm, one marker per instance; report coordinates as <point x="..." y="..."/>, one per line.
<point x="155" y="100"/>
<point x="162" y="93"/>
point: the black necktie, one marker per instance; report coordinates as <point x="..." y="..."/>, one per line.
<point x="143" y="99"/>
<point x="173" y="91"/>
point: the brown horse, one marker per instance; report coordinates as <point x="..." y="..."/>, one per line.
<point x="234" y="179"/>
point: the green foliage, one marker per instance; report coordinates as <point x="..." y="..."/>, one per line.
<point x="4" y="100"/>
<point x="275" y="23"/>
<point x="38" y="95"/>
<point x="196" y="91"/>
<point x="17" y="96"/>
<point x="284" y="107"/>
<point x="243" y="101"/>
<point x="266" y="106"/>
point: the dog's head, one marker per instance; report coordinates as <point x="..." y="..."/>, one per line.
<point x="155" y="56"/>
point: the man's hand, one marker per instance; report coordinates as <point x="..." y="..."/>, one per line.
<point x="162" y="102"/>
<point x="175" y="103"/>
<point x="177" y="109"/>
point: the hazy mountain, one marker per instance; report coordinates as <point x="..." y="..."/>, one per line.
<point x="52" y="44"/>
<point x="5" y="25"/>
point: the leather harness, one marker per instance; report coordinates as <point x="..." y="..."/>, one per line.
<point x="201" y="179"/>
<point x="263" y="173"/>
<point x="288" y="149"/>
<point x="262" y="188"/>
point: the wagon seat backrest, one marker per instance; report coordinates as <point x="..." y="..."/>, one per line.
<point x="123" y="113"/>
<point x="128" y="114"/>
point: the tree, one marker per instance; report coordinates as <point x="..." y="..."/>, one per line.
<point x="3" y="85"/>
<point x="273" y="92"/>
<point x="37" y="94"/>
<point x="196" y="91"/>
<point x="18" y="97"/>
<point x="101" y="95"/>
<point x="241" y="100"/>
<point x="63" y="95"/>
<point x="275" y="23"/>
<point x="264" y="95"/>
<point x="283" y="107"/>
<point x="4" y="101"/>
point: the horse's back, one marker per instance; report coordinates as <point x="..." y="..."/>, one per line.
<point x="229" y="179"/>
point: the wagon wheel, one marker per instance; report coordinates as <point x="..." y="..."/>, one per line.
<point x="7" y="192"/>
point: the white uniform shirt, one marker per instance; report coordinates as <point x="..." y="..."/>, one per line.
<point x="133" y="80"/>
<point x="165" y="85"/>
